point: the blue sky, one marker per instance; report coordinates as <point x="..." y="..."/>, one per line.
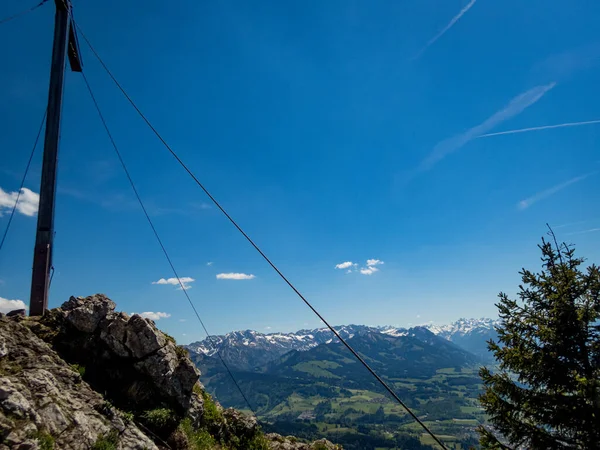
<point x="334" y="132"/>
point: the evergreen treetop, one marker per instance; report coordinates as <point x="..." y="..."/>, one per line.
<point x="546" y="391"/>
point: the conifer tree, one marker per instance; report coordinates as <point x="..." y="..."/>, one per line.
<point x="545" y="393"/>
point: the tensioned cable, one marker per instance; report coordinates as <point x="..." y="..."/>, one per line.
<point x="22" y="13"/>
<point x="14" y="208"/>
<point x="264" y="256"/>
<point x="181" y="284"/>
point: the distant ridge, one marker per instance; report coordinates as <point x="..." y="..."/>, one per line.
<point x="250" y="349"/>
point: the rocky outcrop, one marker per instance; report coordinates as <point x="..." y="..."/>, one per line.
<point x="53" y="368"/>
<point x="126" y="357"/>
<point x="43" y="399"/>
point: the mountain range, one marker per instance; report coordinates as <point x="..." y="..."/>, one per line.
<point x="249" y="349"/>
<point x="294" y="380"/>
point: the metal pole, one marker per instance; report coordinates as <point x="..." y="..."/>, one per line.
<point x="42" y="257"/>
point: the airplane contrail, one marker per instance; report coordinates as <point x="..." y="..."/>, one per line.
<point x="516" y="106"/>
<point x="446" y="28"/>
<point x="545" y="127"/>
<point x="524" y="204"/>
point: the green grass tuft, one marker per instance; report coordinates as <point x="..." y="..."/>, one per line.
<point x="79" y="369"/>
<point x="258" y="442"/>
<point x="212" y="414"/>
<point x="45" y="440"/>
<point x="159" y="419"/>
<point x="169" y="338"/>
<point x="197" y="439"/>
<point x="107" y="442"/>
<point x="127" y="416"/>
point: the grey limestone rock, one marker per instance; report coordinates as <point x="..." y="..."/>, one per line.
<point x="41" y="395"/>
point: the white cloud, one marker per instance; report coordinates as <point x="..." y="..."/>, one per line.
<point x="514" y="107"/>
<point x="374" y="262"/>
<point x="235" y="276"/>
<point x="344" y="265"/>
<point x="7" y="306"/>
<point x="154" y="315"/>
<point x="210" y="263"/>
<point x="444" y="30"/>
<point x="524" y="204"/>
<point x="185" y="281"/>
<point x="370" y="270"/>
<point x="418" y="316"/>
<point x="267" y="328"/>
<point x="28" y="202"/>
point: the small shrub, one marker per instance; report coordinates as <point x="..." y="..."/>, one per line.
<point x="258" y="442"/>
<point x="169" y="338"/>
<point x="127" y="416"/>
<point x="212" y="414"/>
<point x="197" y="439"/>
<point x="160" y="419"/>
<point x="79" y="369"/>
<point x="45" y="440"/>
<point x="107" y="442"/>
<point x="197" y="389"/>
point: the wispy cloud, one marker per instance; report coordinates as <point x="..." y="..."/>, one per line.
<point x="591" y="230"/>
<point x="374" y="262"/>
<point x="544" y="127"/>
<point x="201" y="205"/>
<point x="7" y="305"/>
<point x="371" y="266"/>
<point x="28" y="202"/>
<point x="444" y="30"/>
<point x="514" y="107"/>
<point x="369" y="270"/>
<point x="154" y="315"/>
<point x="210" y="263"/>
<point x="524" y="204"/>
<point x="572" y="224"/>
<point x="235" y="276"/>
<point x="562" y="66"/>
<point x="182" y="320"/>
<point x="185" y="282"/>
